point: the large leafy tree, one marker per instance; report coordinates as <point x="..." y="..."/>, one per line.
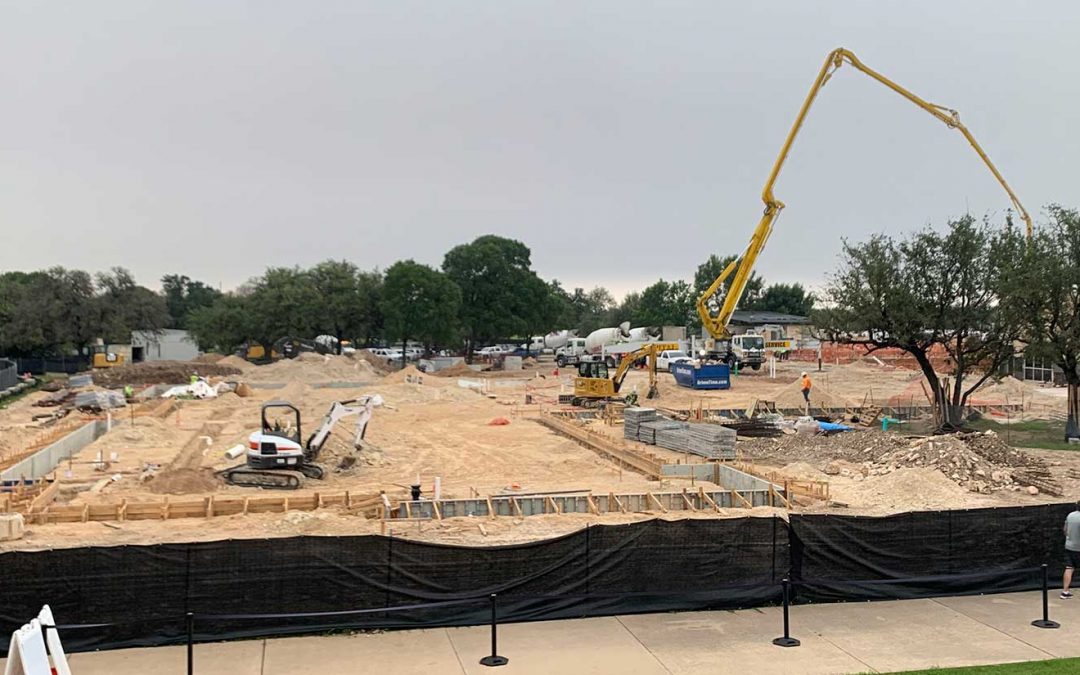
<point x="926" y="291"/>
<point x="544" y="307"/>
<point x="589" y="310"/>
<point x="124" y="306"/>
<point x="419" y="303"/>
<point x="282" y="303"/>
<point x="628" y="310"/>
<point x="183" y="296"/>
<point x="339" y="309"/>
<point x="786" y="299"/>
<point x="665" y="304"/>
<point x="495" y="278"/>
<point x="1042" y="291"/>
<point x="224" y="326"/>
<point x="369" y="291"/>
<point x="708" y="271"/>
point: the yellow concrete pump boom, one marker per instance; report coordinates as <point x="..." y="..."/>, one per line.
<point x="716" y="320"/>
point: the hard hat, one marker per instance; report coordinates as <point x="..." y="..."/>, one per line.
<point x="804" y="373"/>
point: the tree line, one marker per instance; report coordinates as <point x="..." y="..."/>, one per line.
<point x="484" y="291"/>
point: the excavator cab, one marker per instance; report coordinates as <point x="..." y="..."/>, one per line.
<point x="596" y="369"/>
<point x="282" y="419"/>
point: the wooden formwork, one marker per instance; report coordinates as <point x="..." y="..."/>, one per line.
<point x="26" y="495"/>
<point x="813" y="489"/>
<point x="686" y="500"/>
<point x="622" y="454"/>
<point x="42" y="511"/>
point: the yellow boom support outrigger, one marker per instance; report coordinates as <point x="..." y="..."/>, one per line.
<point x="715" y="312"/>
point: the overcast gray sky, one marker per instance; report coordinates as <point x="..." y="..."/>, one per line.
<point x="622" y="141"/>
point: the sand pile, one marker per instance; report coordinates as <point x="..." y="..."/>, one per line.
<point x="378" y="363"/>
<point x="910" y="489"/>
<point x="310" y="367"/>
<point x="404" y="375"/>
<point x="457" y="370"/>
<point x="184" y="481"/>
<point x="160" y="372"/>
<point x="234" y="361"/>
<point x="803" y="471"/>
<point x="1007" y="389"/>
<point x="790" y="396"/>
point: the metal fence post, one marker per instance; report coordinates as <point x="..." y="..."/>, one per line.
<point x="189" y="621"/>
<point x="494" y="659"/>
<point x="786" y="640"/>
<point x="1045" y="621"/>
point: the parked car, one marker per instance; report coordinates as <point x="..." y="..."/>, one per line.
<point x="670" y="356"/>
<point x="493" y="351"/>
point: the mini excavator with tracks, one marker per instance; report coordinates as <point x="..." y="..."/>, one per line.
<point x="278" y="459"/>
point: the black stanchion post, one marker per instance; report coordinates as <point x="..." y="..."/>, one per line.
<point x="494" y="659"/>
<point x="189" y="621"/>
<point x="1045" y="621"/>
<point x="786" y="640"/>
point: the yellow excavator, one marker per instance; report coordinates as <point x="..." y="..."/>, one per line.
<point x="714" y="307"/>
<point x="593" y="386"/>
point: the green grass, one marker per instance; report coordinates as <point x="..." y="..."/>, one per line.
<point x="5" y="402"/>
<point x="1042" y="434"/>
<point x="1052" y="667"/>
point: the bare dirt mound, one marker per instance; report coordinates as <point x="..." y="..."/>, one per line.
<point x="311" y="368"/>
<point x="909" y="489"/>
<point x="790" y="396"/>
<point x="456" y="370"/>
<point x="1007" y="389"/>
<point x="403" y="374"/>
<point x="184" y="481"/>
<point x="378" y="363"/>
<point x="160" y="372"/>
<point x="803" y="471"/>
<point x="235" y="361"/>
<point x="209" y="357"/>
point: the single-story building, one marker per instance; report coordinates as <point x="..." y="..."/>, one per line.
<point x="168" y="344"/>
<point x="773" y="325"/>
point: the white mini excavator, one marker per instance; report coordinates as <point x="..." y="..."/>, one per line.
<point x="278" y="459"/>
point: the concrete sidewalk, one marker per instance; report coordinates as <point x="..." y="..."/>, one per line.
<point x="836" y="638"/>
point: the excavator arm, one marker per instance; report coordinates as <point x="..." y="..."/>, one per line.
<point x="651" y="351"/>
<point x="715" y="308"/>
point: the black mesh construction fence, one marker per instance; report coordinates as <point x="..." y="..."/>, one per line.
<point x="9" y="374"/>
<point x="40" y="365"/>
<point x="925" y="554"/>
<point x="144" y="592"/>
<point x="263" y="587"/>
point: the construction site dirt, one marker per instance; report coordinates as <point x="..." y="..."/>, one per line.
<point x="477" y="435"/>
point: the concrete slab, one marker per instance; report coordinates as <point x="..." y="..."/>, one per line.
<point x="582" y="646"/>
<point x="217" y="658"/>
<point x="735" y="642"/>
<point x="910" y="635"/>
<point x="419" y="652"/>
<point x="1012" y="613"/>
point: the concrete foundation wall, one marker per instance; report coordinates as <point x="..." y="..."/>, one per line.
<point x="739" y="480"/>
<point x="723" y="475"/>
<point x="45" y="460"/>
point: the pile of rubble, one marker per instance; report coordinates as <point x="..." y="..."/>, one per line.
<point x="980" y="462"/>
